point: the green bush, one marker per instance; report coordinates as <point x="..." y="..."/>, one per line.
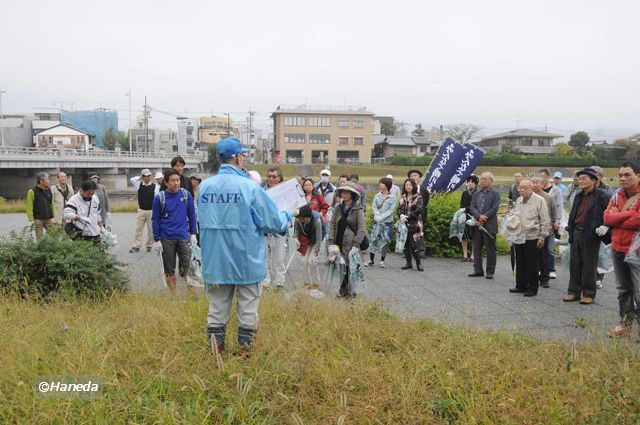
<point x="58" y="267"/>
<point x="401" y="160"/>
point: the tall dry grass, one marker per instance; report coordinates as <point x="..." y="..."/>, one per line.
<point x="315" y="362"/>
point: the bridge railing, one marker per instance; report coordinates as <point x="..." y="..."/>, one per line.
<point x="14" y="151"/>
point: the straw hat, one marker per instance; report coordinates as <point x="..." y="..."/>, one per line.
<point x="513" y="225"/>
<point x="351" y="187"/>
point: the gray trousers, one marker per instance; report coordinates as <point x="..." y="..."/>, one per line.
<point x="480" y="239"/>
<point x="583" y="264"/>
<point x="628" y="280"/>
<point x="221" y="301"/>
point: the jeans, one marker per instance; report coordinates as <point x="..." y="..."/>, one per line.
<point x="584" y="260"/>
<point x="628" y="285"/>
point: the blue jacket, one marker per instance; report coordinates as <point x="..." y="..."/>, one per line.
<point x="178" y="220"/>
<point x="235" y="213"/>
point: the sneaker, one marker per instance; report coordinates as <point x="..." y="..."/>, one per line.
<point x="620" y="331"/>
<point x="382" y="266"/>
<point x="132" y="250"/>
<point x="599" y="284"/>
<point x="553" y="275"/>
<point x="544" y="284"/>
<point x="368" y="264"/>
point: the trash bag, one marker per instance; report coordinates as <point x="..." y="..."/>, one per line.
<point x="605" y="263"/>
<point x="633" y="255"/>
<point x="109" y="238"/>
<point x="194" y="276"/>
<point x="456" y="227"/>
<point x="401" y="239"/>
<point x="356" y="275"/>
<point x="565" y="256"/>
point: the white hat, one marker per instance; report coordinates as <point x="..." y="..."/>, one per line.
<point x="326" y="171"/>
<point x="389" y="176"/>
<point x="255" y="176"/>
<point x="513" y="225"/>
<point x="159" y="175"/>
<point x="145" y="172"/>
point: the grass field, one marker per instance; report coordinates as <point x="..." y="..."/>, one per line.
<point x="315" y="362"/>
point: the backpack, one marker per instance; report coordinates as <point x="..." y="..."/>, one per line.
<point x="163" y="201"/>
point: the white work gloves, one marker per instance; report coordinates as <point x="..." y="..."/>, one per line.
<point x="193" y="240"/>
<point x="403" y="218"/>
<point x="83" y="219"/>
<point x="602" y="230"/>
<point x="297" y="243"/>
<point x="157" y="247"/>
<point x="354" y="251"/>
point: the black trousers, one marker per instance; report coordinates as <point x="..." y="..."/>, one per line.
<point x="527" y="266"/>
<point x="410" y="249"/>
<point x="583" y="264"/>
<point x="544" y="261"/>
<point x="480" y="239"/>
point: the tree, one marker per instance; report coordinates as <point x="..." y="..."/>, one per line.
<point x="213" y="161"/>
<point x="401" y="129"/>
<point x="579" y="140"/>
<point x="110" y="140"/>
<point x="388" y="128"/>
<point x="562" y="149"/>
<point x="462" y="132"/>
<point x="418" y="131"/>
<point x="631" y="146"/>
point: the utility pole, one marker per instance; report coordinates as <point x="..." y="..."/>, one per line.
<point x="146" y="126"/>
<point x="130" y="121"/>
<point x="2" y="117"/>
<point x="251" y="131"/>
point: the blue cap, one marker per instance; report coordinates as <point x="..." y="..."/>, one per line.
<point x="557" y="175"/>
<point x="230" y="147"/>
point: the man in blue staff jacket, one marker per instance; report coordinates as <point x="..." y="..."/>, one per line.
<point x="235" y="213"/>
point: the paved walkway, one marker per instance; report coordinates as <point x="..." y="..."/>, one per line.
<point x="442" y="292"/>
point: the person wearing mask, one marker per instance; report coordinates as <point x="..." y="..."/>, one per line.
<point x="384" y="205"/>
<point x="395" y="189"/>
<point x="83" y="213"/>
<point x="557" y="182"/>
<point x="235" y="214"/>
<point x="416" y="176"/>
<point x="275" y="243"/>
<point x="103" y="196"/>
<point x="362" y="199"/>
<point x="410" y="214"/>
<point x="623" y="217"/>
<point x="341" y="181"/>
<point x="585" y="230"/>
<point x="325" y="187"/>
<point x="484" y="209"/>
<point x="543" y="261"/>
<point x="529" y="221"/>
<point x="346" y="233"/>
<point x="146" y="192"/>
<point x="40" y="206"/>
<point x="314" y="199"/>
<point x="556" y="195"/>
<point x="62" y="192"/>
<point x="174" y="228"/>
<point x="308" y="231"/>
<point x="465" y="202"/>
<point x="178" y="164"/>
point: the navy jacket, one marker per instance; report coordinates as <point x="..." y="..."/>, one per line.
<point x="593" y="217"/>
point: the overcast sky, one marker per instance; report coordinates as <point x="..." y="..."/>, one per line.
<point x="569" y="64"/>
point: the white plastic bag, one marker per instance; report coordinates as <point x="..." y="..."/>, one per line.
<point x="605" y="263"/>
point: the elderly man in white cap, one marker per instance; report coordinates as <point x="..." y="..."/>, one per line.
<point x="530" y="223"/>
<point x="395" y="189"/>
<point x="325" y="187"/>
<point x="146" y="192"/>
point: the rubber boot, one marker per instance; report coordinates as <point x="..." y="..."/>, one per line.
<point x="245" y="340"/>
<point x="407" y="256"/>
<point x="216" y="335"/>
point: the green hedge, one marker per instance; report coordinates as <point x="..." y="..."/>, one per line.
<point x="57" y="267"/>
<point x="600" y="156"/>
<point x="409" y="161"/>
<point x="441" y="210"/>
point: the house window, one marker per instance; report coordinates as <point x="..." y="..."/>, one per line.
<point x="320" y="138"/>
<point x="343" y="140"/>
<point x="343" y="123"/>
<point x="294" y="121"/>
<point x="319" y="122"/>
<point x="294" y="138"/>
<point x="358" y="124"/>
<point x="358" y="141"/>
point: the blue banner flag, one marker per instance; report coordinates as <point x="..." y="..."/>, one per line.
<point x="443" y="166"/>
<point x="470" y="160"/>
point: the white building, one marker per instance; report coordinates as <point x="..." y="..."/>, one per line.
<point x="63" y="136"/>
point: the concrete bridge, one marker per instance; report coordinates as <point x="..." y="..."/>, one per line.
<point x="18" y="166"/>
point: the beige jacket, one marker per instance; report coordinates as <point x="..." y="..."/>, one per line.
<point x="534" y="216"/>
<point x="60" y="201"/>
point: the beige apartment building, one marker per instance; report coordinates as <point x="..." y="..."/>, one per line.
<point x="214" y="128"/>
<point x="322" y="135"/>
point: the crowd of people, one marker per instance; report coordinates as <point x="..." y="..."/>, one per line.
<point x="247" y="244"/>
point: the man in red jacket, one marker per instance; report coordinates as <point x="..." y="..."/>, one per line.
<point x="623" y="217"/>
